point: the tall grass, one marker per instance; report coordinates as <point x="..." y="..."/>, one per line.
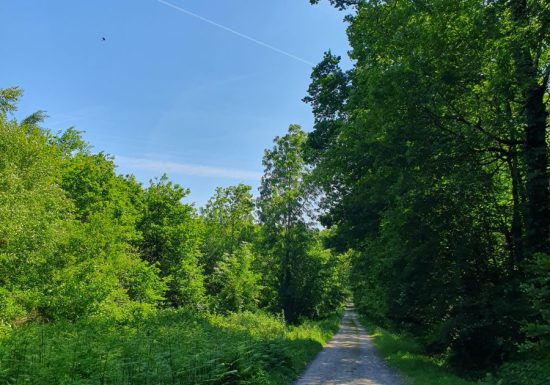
<point x="403" y="354"/>
<point x="171" y="347"/>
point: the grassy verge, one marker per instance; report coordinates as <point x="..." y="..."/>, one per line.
<point x="172" y="347"/>
<point x="404" y="355"/>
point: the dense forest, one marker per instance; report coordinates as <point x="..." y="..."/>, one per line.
<point x="432" y="153"/>
<point x="422" y="191"/>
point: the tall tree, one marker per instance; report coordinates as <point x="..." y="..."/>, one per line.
<point x="229" y="256"/>
<point x="172" y="235"/>
<point x="65" y="255"/>
<point x="529" y="45"/>
<point x="282" y="211"/>
<point x="35" y="215"/>
<point x="432" y="154"/>
<point x="229" y="221"/>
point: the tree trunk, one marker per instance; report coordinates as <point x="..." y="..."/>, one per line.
<point x="536" y="161"/>
<point x="516" y="231"/>
<point x="537" y="219"/>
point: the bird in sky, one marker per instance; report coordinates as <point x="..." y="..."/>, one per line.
<point x="103" y="39"/>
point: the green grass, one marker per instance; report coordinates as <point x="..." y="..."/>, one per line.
<point x="404" y="355"/>
<point x="171" y="347"/>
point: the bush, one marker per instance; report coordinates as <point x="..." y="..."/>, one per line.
<point x="168" y="347"/>
<point x="528" y="372"/>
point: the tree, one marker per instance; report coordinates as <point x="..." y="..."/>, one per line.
<point x="237" y="284"/>
<point x="171" y="240"/>
<point x="430" y="156"/>
<point x="35" y="215"/>
<point x="229" y="222"/>
<point x="527" y="30"/>
<point x="63" y="255"/>
<point x="341" y="4"/>
<point x="283" y="209"/>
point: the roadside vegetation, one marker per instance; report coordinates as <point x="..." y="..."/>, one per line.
<point x="169" y="347"/>
<point x="106" y="281"/>
<point x="432" y="155"/>
<point x="408" y="356"/>
<point x="405" y="355"/>
<point x="427" y="168"/>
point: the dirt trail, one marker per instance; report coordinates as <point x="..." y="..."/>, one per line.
<point x="350" y="358"/>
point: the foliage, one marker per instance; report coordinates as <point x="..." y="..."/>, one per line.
<point x="300" y="269"/>
<point x="35" y="218"/>
<point x="431" y="153"/>
<point x="524" y="372"/>
<point x="172" y="235"/>
<point x="538" y="291"/>
<point x="405" y="355"/>
<point x="8" y="99"/>
<point x="229" y="222"/>
<point x="66" y="223"/>
<point x="88" y="259"/>
<point x="237" y="284"/>
<point x="230" y="253"/>
<point x="169" y="347"/>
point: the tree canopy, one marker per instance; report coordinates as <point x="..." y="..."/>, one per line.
<point x="432" y="153"/>
<point x="77" y="240"/>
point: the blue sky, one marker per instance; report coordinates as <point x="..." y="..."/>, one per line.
<point x="167" y="91"/>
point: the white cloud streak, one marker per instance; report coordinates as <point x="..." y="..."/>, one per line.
<point x="234" y="32"/>
<point x="160" y="167"/>
<point x="55" y="120"/>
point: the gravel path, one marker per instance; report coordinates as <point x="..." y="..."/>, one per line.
<point x="349" y="358"/>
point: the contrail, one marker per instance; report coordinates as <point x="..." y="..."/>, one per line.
<point x="237" y="33"/>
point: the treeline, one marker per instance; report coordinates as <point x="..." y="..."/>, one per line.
<point x="432" y="153"/>
<point x="78" y="241"/>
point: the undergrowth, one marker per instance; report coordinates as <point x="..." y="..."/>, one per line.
<point x="171" y="347"/>
<point x="406" y="356"/>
